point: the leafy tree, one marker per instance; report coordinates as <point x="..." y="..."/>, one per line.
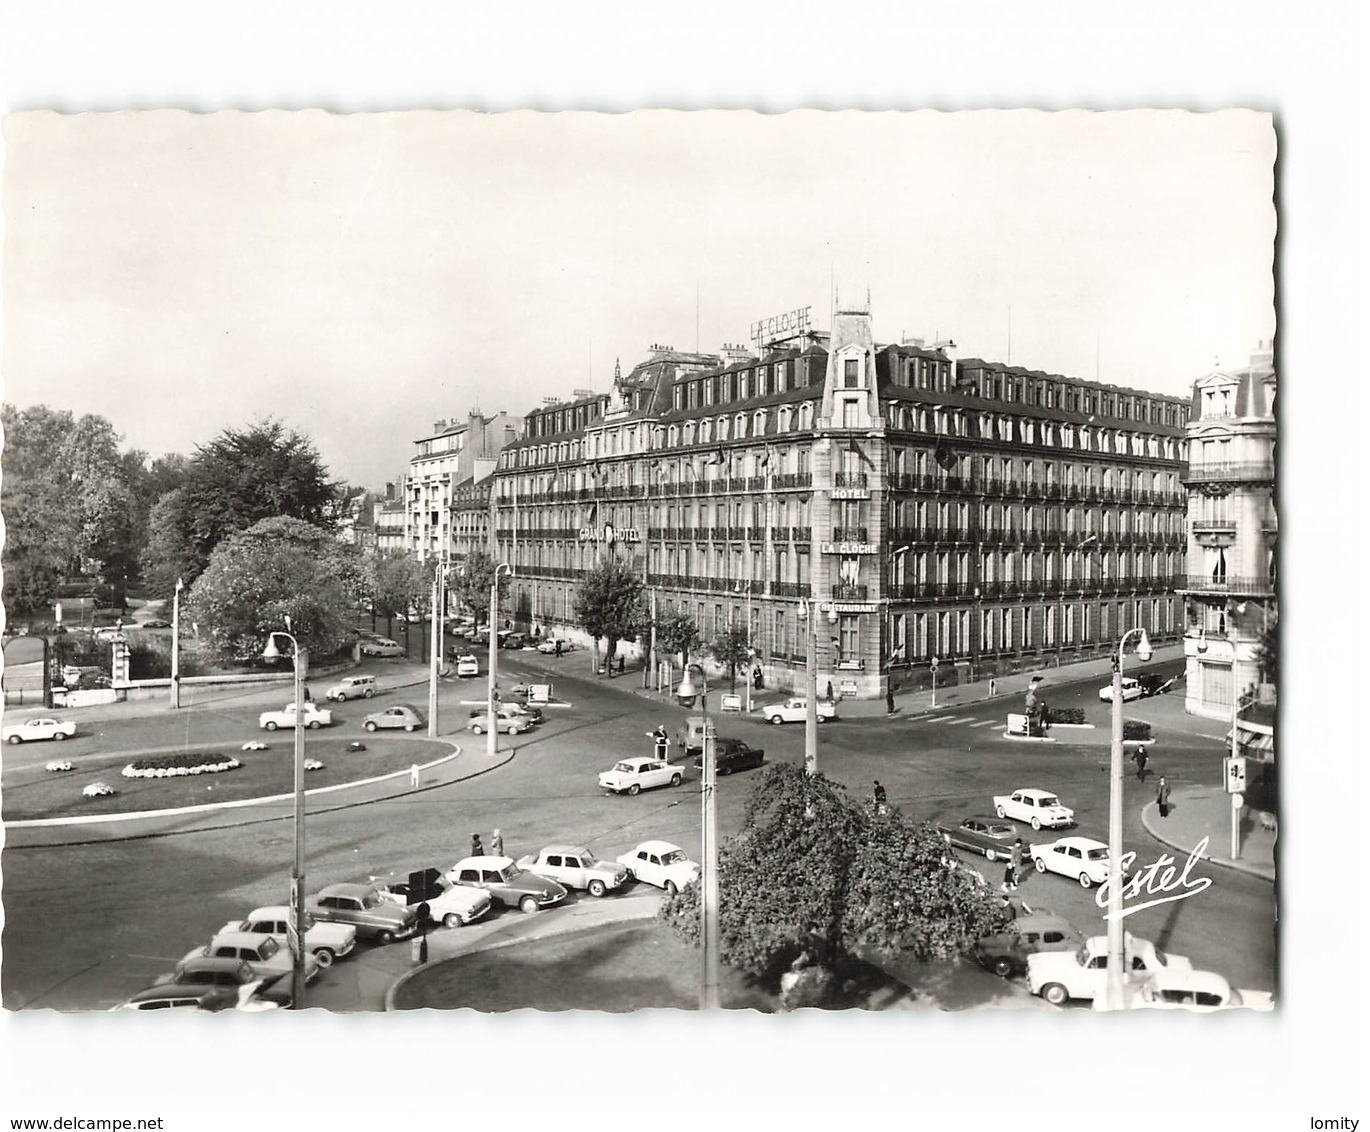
<point x="815" y="874"/>
<point x="609" y="603"/>
<point x="676" y="632"/>
<point x="234" y="481"/>
<point x="396" y="582"/>
<point x="276" y="568"/>
<point x="469" y="584"/>
<point x="1268" y="651"/>
<point x="731" y="650"/>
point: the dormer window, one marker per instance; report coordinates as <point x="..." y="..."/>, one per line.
<point x="851" y="373"/>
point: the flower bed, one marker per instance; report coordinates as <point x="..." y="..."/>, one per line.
<point x="1065" y="715"/>
<point x="177" y="766"/>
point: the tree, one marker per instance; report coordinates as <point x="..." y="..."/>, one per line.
<point x="731" y="650"/>
<point x="1268" y="651"/>
<point x="677" y="633"/>
<point x="814" y="875"/>
<point x="395" y="582"/>
<point x="276" y="568"/>
<point x="469" y="584"/>
<point x="609" y="603"/>
<point x="234" y="481"/>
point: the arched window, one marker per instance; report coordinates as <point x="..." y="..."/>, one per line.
<point x="806" y="416"/>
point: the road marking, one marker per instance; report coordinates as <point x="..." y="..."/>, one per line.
<point x="936" y="718"/>
<point x="986" y="723"/>
<point x="961" y="719"/>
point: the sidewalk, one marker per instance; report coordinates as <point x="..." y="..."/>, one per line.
<point x="1198" y="812"/>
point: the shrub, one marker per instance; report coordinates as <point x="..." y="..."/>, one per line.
<point x="1065" y="715"/>
<point x="1136" y="730"/>
<point x="175" y="766"/>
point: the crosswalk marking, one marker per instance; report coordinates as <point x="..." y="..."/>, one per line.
<point x="986" y="723"/>
<point x="936" y="718"/>
<point x="961" y="719"/>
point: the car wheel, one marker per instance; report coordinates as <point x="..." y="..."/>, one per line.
<point x="1003" y="967"/>
<point x="452" y="920"/>
<point x="671" y="888"/>
<point x="1040" y="863"/>
<point x="1055" y="994"/>
<point x="60" y="736"/>
<point x="1036" y="823"/>
<point x="384" y="936"/>
<point x="675" y="780"/>
<point x="313" y="725"/>
<point x="271" y="725"/>
<point x="775" y="719"/>
<point x="477" y="729"/>
<point x="1085" y="882"/>
<point x="325" y="957"/>
<point x="1000" y="811"/>
<point x="369" y="693"/>
<point x="370" y="725"/>
<point x="991" y="855"/>
<point x="634" y="789"/>
<point x="528" y="905"/>
<point x="596" y="888"/>
<point x="15" y="740"/>
<point x="409" y="726"/>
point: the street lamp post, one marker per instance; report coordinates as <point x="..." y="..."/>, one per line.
<point x="811" y="677"/>
<point x="1114" y="998"/>
<point x="708" y="986"/>
<point x="176" y="644"/>
<point x="435" y="657"/>
<point x="296" y="923"/>
<point x="491" y="742"/>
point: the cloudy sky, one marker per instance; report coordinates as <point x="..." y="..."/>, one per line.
<point x="361" y="276"/>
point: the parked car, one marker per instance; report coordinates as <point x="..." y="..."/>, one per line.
<point x="549" y="646"/>
<point x="632" y="776"/>
<point x="1059" y="976"/>
<point x="509" y="709"/>
<point x="795" y="710"/>
<point x="1006" y="951"/>
<point x="452" y="905"/>
<point x="156" y="623"/>
<point x="731" y="755"/>
<point x="235" y="975"/>
<point x="352" y="688"/>
<point x="512" y="641"/>
<point x="574" y="866"/>
<point x="1036" y="807"/>
<point x="507" y="724"/>
<point x="397" y="716"/>
<point x="1200" y="991"/>
<point x="263" y="953"/>
<point x="468" y="665"/>
<point x="362" y="906"/>
<point x="981" y="835"/>
<point x="1132" y="690"/>
<point x="31" y="730"/>
<point x="508" y="884"/>
<point x="314" y="717"/>
<point x="1153" y="684"/>
<point x="382" y="647"/>
<point x="195" y="998"/>
<point x="1080" y="858"/>
<point x="326" y="941"/>
<point x="662" y="864"/>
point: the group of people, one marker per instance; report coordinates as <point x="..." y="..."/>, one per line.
<point x="496" y="845"/>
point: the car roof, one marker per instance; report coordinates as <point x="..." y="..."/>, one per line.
<point x="1035" y="792"/>
<point x="236" y="939"/>
<point x="485" y="862"/>
<point x="1174" y="978"/>
<point x="1080" y="842"/>
<point x="576" y="849"/>
<point x="200" y="962"/>
<point x="657" y="847"/>
<point x="1040" y="921"/>
<point x="345" y="889"/>
<point x="269" y="912"/>
<point x="175" y="990"/>
<point x="989" y="819"/>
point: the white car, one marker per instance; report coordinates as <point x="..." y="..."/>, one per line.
<point x="111" y="633"/>
<point x="267" y="957"/>
<point x="662" y="864"/>
<point x="468" y="665"/>
<point x="1132" y="690"/>
<point x="1059" y="976"/>
<point x="1199" y="991"/>
<point x="549" y="646"/>
<point x="796" y="710"/>
<point x="508" y="724"/>
<point x="326" y="941"/>
<point x="314" y="717"/>
<point x="574" y="866"/>
<point x="34" y="729"/>
<point x="632" y="776"/>
<point x="382" y="647"/>
<point x="1080" y="858"/>
<point x="1039" y="808"/>
<point x="452" y="905"/>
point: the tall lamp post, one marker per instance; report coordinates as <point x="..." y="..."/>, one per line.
<point x="1113" y="1000"/>
<point x="491" y="742"/>
<point x="176" y="644"/>
<point x="296" y="924"/>
<point x="811" y="676"/>
<point x="708" y="986"/>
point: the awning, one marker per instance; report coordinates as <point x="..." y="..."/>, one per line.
<point x="1256" y="740"/>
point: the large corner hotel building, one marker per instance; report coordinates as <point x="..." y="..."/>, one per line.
<point x="991" y="517"/>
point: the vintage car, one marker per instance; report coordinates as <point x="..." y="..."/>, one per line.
<point x="314" y="717"/>
<point x="234" y="975"/>
<point x="631" y="776"/>
<point x="796" y="710"/>
<point x="549" y="645"/>
<point x="1132" y="690"/>
<point x="1059" y="976"/>
<point x="1080" y="858"/>
<point x="352" y="688"/>
<point x="574" y="866"/>
<point x="1038" y="808"/>
<point x="467" y="665"/>
<point x="452" y="905"/>
<point x="510" y="709"/>
<point x="1199" y="991"/>
<point x="32" y="730"/>
<point x="662" y="864"/>
<point x="731" y="755"/>
<point x="192" y="997"/>
<point x="263" y="953"/>
<point x="402" y="716"/>
<point x="326" y="941"/>
<point x="362" y="906"/>
<point x="382" y="647"/>
<point x="1006" y="951"/>
<point x="981" y="835"/>
<point x="508" y="884"/>
<point x="505" y="722"/>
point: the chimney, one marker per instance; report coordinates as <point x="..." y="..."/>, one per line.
<point x="390" y="491"/>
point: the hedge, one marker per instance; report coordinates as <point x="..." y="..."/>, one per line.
<point x="1065" y="715"/>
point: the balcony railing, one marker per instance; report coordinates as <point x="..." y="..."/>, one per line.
<point x="790" y="589"/>
<point x="793" y="479"/>
<point x="1215" y="526"/>
<point x="1253" y="470"/>
<point x="849" y="534"/>
<point x="849" y="591"/>
<point x="1229" y="583"/>
<point x="849" y="479"/>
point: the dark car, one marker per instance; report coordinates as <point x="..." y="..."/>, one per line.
<point x="365" y="909"/>
<point x="512" y="641"/>
<point x="731" y="755"/>
<point x="1155" y="685"/>
<point x="221" y="971"/>
<point x="1006" y="951"/>
<point x="156" y="623"/>
<point x="994" y="837"/>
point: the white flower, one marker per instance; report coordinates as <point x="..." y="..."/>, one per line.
<point x="97" y="790"/>
<point x="58" y="765"/>
<point x="313" y="764"/>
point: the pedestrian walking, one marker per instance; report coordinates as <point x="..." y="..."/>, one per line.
<point x="993" y="687"/>
<point x="1015" y="863"/>
<point x="1141" y="762"/>
<point x="660" y="742"/>
<point x="1163" y="797"/>
<point x="496" y="844"/>
<point x="878" y="796"/>
<point x="829" y="695"/>
<point x="414" y="775"/>
<point x="477" y="849"/>
<point x="889" y="700"/>
<point x="558" y="646"/>
<point x="622" y="660"/>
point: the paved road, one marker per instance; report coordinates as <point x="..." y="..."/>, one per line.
<point x="90" y="924"/>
